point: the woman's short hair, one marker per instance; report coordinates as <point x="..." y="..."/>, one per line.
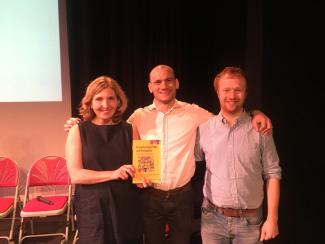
<point x="95" y="87"/>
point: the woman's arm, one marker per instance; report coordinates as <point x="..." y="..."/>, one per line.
<point x="79" y="175"/>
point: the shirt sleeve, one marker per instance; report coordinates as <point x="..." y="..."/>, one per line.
<point x="202" y="114"/>
<point x="270" y="158"/>
<point x="133" y="117"/>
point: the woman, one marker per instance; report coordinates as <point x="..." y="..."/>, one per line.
<point x="98" y="153"/>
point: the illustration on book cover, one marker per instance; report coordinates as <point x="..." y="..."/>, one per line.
<point x="146" y="160"/>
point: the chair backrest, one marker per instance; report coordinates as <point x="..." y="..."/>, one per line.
<point x="9" y="172"/>
<point x="48" y="170"/>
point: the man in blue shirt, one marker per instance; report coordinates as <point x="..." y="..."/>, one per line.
<point x="238" y="161"/>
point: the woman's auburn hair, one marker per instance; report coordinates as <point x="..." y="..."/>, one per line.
<point x="95" y="87"/>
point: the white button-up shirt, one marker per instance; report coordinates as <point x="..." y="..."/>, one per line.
<point x="176" y="129"/>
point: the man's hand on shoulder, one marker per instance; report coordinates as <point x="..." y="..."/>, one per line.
<point x="71" y="122"/>
<point x="261" y="122"/>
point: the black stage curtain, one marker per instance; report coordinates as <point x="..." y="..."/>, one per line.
<point x="125" y="39"/>
<point x="278" y="44"/>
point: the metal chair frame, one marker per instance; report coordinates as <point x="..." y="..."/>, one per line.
<point x="47" y="171"/>
<point x="9" y="178"/>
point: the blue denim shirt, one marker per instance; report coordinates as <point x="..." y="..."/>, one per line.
<point x="238" y="160"/>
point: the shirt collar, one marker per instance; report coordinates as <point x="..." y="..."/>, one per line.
<point x="177" y="104"/>
<point x="242" y="118"/>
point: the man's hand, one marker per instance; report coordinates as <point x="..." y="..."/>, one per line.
<point x="261" y="123"/>
<point x="269" y="230"/>
<point x="145" y="183"/>
<point x="71" y="122"/>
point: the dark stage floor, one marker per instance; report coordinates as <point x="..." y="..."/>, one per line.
<point x="42" y="225"/>
<point x="55" y="224"/>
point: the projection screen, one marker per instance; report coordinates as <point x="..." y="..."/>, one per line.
<point x="34" y="79"/>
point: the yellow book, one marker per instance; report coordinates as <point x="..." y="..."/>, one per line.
<point x="146" y="160"/>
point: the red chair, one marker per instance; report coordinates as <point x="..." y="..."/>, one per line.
<point x="167" y="231"/>
<point x="9" y="179"/>
<point x="45" y="172"/>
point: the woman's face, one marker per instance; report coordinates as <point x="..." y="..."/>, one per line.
<point x="104" y="105"/>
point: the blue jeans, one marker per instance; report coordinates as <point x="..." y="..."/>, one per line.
<point x="219" y="229"/>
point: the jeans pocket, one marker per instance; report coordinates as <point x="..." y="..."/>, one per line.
<point x="206" y="211"/>
<point x="254" y="220"/>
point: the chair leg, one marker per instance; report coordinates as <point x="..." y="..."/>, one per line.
<point x="21" y="230"/>
<point x="69" y="212"/>
<point x="12" y="228"/>
<point x="32" y="226"/>
<point x="75" y="238"/>
<point x="72" y="219"/>
<point x="13" y="220"/>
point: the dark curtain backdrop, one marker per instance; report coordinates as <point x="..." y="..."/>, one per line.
<point x="126" y="39"/>
<point x="293" y="66"/>
<point x="279" y="45"/>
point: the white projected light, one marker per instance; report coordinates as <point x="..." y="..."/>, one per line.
<point x="30" y="69"/>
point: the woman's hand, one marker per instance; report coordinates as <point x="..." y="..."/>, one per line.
<point x="124" y="172"/>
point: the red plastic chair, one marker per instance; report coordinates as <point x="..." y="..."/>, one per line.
<point x="9" y="178"/>
<point x="167" y="231"/>
<point x="45" y="172"/>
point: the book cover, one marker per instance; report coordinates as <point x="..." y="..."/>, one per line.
<point x="146" y="160"/>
